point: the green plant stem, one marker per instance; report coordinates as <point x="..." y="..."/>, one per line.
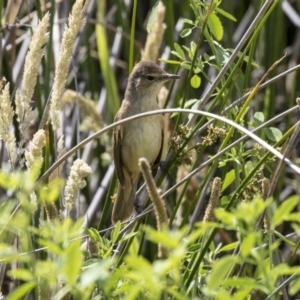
<point x="178" y="203"/>
<point x="196" y="261"/>
<point x="191" y="71"/>
<point x="132" y="34"/>
<point x="258" y="20"/>
<point x="107" y="203"/>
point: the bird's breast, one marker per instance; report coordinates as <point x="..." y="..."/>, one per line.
<point x="142" y="138"/>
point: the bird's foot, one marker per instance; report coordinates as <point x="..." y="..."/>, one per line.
<point x="163" y="166"/>
<point x="138" y="207"/>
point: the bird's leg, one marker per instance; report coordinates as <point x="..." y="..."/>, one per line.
<point x="133" y="191"/>
<point x="138" y="207"/>
<point x="162" y="165"/>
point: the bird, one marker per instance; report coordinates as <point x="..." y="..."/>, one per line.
<point x="139" y="138"/>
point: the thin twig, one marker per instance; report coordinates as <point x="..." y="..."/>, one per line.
<point x="250" y="134"/>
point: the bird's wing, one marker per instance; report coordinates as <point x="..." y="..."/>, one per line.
<point x="158" y="158"/>
<point x="117" y="152"/>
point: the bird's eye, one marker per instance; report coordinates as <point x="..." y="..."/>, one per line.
<point x="149" y="77"/>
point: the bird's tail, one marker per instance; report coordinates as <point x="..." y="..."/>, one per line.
<point x="123" y="206"/>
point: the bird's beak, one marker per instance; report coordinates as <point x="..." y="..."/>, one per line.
<point x="172" y="76"/>
<point x="168" y="76"/>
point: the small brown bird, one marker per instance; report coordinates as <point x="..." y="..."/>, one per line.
<point x="143" y="137"/>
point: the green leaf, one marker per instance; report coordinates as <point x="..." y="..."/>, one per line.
<point x="94" y="234"/>
<point x="176" y="54"/>
<point x="185" y="65"/>
<point x="222" y="55"/>
<point x="223" y="295"/>
<point x="249" y="211"/>
<point x="229" y="247"/>
<point x="225" y="217"/>
<point x="248" y="167"/>
<point x="294" y="287"/>
<point x="220" y="270"/>
<point x="51" y="246"/>
<point x="262" y="269"/>
<point x="8" y="254"/>
<point x="168" y="61"/>
<point x="128" y="236"/>
<point x="97" y="272"/>
<point x="225" y="14"/>
<point x="246" y="59"/>
<point x="273" y="134"/>
<point x="179" y="51"/>
<point x="107" y="72"/>
<point x="186" y="32"/>
<point x="187" y="21"/>
<point x="215" y="26"/>
<point x="21" y="274"/>
<point x="246" y="292"/>
<point x="224" y="200"/>
<point x="139" y="263"/>
<point x="194" y="106"/>
<point x="152" y="17"/>
<point x="240" y="282"/>
<point x="193" y="48"/>
<point x="187" y="49"/>
<point x="159" y="237"/>
<point x="284" y="210"/>
<point x="21" y="291"/>
<point x="73" y="260"/>
<point x="294" y="217"/>
<point x="206" y="57"/>
<point x="239" y="81"/>
<point x="229" y="178"/>
<point x="195" y="247"/>
<point x="248" y="244"/>
<point x="195" y="81"/>
<point x="259" y="118"/>
<point x="283" y="238"/>
<point x="115" y="232"/>
<point x="190" y="103"/>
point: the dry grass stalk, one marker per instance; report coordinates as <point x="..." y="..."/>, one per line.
<point x="6" y="117"/>
<point x="75" y="182"/>
<point x="158" y="202"/>
<point x="51" y="211"/>
<point x="155" y="36"/>
<point x="76" y="21"/>
<point x="90" y="248"/>
<point x="34" y="157"/>
<point x="32" y="62"/>
<point x="88" y="109"/>
<point x="213" y="201"/>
